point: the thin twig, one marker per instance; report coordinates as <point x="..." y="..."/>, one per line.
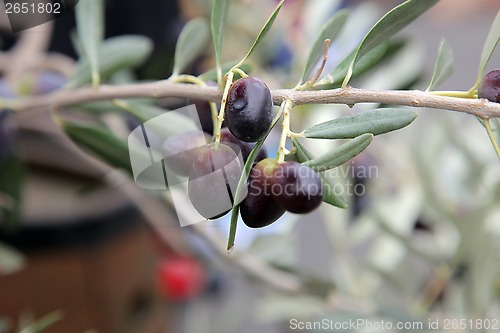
<point x="316" y="76"/>
<point x="350" y="96"/>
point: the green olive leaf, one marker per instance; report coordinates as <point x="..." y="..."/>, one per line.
<point x="364" y="63"/>
<point x="115" y="54"/>
<point x="301" y="152"/>
<point x="103" y="107"/>
<point x="330" y="31"/>
<point x="489" y="46"/>
<point x="90" y="30"/>
<point x="376" y="122"/>
<point x="217" y="23"/>
<point x="144" y="112"/>
<point x="99" y="141"/>
<point x="264" y="30"/>
<point x="341" y="154"/>
<point x="391" y="23"/>
<point x="243" y="182"/>
<point x="191" y="43"/>
<point x="444" y="65"/>
<point x="330" y="196"/>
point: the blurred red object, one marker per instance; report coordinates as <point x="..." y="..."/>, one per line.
<point x="181" y="278"/>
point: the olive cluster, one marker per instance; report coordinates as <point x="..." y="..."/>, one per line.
<point x="273" y="187"/>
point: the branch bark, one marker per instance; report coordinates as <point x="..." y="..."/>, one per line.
<point x="350" y="96"/>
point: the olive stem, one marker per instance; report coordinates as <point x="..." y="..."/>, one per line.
<point x="195" y="80"/>
<point x="184" y="78"/>
<point x="458" y="94"/>
<point x="286" y="106"/>
<point x="220" y="118"/>
<point x="309" y="84"/>
<point x="239" y="71"/>
<point x="166" y="88"/>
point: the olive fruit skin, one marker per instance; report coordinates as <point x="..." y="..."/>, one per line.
<point x="259" y="209"/>
<point x="181" y="149"/>
<point x="213" y="179"/>
<point x="490" y="87"/>
<point x="296" y="187"/>
<point x="249" y="109"/>
<point x="245" y="147"/>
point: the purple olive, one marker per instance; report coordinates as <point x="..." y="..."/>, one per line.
<point x="213" y="179"/>
<point x="296" y="187"/>
<point x="259" y="209"/>
<point x="490" y="87"/>
<point x="181" y="149"/>
<point x="245" y="147"/>
<point x="249" y="109"/>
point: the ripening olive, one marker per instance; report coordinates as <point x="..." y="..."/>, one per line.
<point x="490" y="87"/>
<point x="213" y="180"/>
<point x="249" y="109"/>
<point x="259" y="209"/>
<point x="180" y="150"/>
<point x="296" y="187"/>
<point x="245" y="147"/>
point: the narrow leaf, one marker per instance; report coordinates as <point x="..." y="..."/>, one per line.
<point x="192" y="43"/>
<point x="217" y="22"/>
<point x="144" y="112"/>
<point x="211" y="75"/>
<point x="264" y="30"/>
<point x="376" y="122"/>
<point x="390" y="24"/>
<point x="99" y="141"/>
<point x="90" y="30"/>
<point x="103" y="107"/>
<point x="330" y="31"/>
<point x="330" y="196"/>
<point x="342" y="154"/>
<point x="364" y="63"/>
<point x="444" y="65"/>
<point x="11" y="182"/>
<point x="301" y="153"/>
<point x="488" y="48"/>
<point x="243" y="182"/>
<point x="115" y="54"/>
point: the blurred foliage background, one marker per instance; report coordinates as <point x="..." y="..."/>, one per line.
<point x="420" y="237"/>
